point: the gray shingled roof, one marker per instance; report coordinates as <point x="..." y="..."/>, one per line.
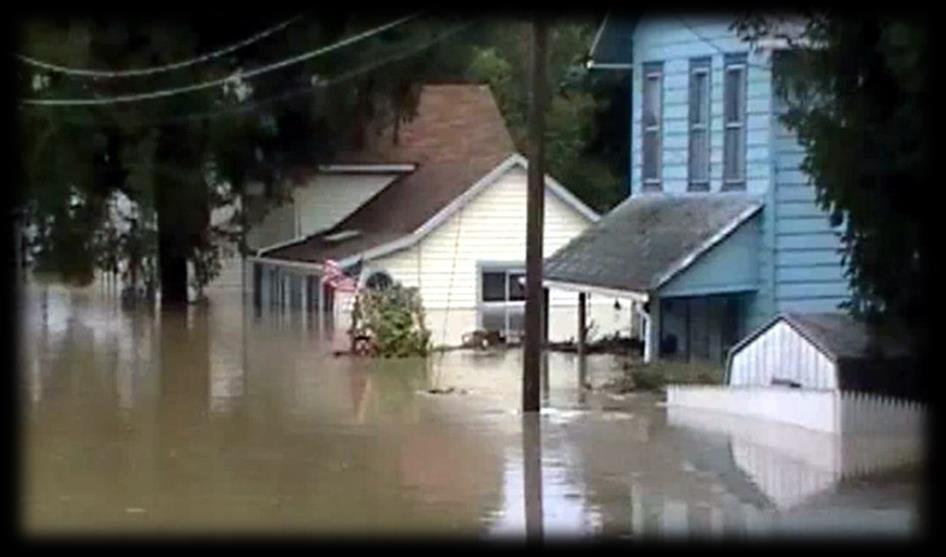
<point x="641" y="240"/>
<point x="840" y="336"/>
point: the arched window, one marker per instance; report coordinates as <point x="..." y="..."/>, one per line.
<point x="379" y="280"/>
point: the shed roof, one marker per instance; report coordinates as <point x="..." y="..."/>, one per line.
<point x="839" y="336"/>
<point x="648" y="239"/>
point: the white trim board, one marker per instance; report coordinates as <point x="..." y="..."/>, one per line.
<point x="640" y="297"/>
<point x="462" y="200"/>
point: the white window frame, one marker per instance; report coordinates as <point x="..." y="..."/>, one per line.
<point x="652" y="70"/>
<point x="700" y="66"/>
<point x="739" y="64"/>
<point x="508" y="268"/>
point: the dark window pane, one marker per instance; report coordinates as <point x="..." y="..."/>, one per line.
<point x="651" y="101"/>
<point x="699" y="157"/>
<point x="733" y="154"/>
<point x="734" y="92"/>
<point x="494" y="286"/>
<point x="517" y="286"/>
<point x="651" y="153"/>
<point x="699" y="95"/>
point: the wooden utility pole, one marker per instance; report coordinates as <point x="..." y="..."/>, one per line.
<point x="534" y="225"/>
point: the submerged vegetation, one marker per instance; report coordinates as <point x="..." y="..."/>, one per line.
<point x="389" y="323"/>
<point x="655" y="376"/>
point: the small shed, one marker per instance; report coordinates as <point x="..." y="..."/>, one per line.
<point x="823" y="351"/>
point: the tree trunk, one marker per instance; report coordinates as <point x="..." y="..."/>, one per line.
<point x="172" y="265"/>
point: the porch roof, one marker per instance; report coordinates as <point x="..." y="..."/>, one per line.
<point x="649" y="239"/>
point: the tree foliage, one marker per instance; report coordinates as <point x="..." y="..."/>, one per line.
<point x="855" y="88"/>
<point x="584" y="148"/>
<point x="182" y="156"/>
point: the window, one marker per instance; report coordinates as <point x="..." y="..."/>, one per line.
<point x="734" y="121"/>
<point x="503" y="285"/>
<point x="699" y="156"/>
<point x="502" y="294"/>
<point x="650" y="126"/>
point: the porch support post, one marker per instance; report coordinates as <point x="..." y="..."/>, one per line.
<point x="304" y="298"/>
<point x="582" y="324"/>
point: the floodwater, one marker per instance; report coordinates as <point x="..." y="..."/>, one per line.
<point x="220" y="420"/>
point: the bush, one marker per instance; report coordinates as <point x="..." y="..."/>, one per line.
<point x="390" y="322"/>
<point x="657" y="375"/>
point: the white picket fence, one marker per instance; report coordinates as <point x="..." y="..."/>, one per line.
<point x="825" y="410"/>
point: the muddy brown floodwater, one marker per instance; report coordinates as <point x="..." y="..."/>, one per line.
<point x="223" y="419"/>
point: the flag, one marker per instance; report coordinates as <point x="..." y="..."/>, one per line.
<point x="342" y="279"/>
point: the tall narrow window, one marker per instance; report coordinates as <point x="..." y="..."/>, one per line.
<point x="734" y="120"/>
<point x="699" y="155"/>
<point x="650" y="126"/>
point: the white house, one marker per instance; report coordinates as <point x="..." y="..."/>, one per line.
<point x="441" y="206"/>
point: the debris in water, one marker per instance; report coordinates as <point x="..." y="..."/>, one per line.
<point x="445" y="391"/>
<point x="135" y="510"/>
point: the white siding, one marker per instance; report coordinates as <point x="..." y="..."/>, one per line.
<point x="321" y="203"/>
<point x="329" y="198"/>
<point x="781" y="353"/>
<point x="492" y="228"/>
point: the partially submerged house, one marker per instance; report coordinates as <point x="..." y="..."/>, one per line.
<point x="438" y="204"/>
<point x="722" y="230"/>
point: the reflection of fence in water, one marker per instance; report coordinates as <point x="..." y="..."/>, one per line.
<point x="790" y="464"/>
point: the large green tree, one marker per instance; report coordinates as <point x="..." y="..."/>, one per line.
<point x="180" y="156"/>
<point x="856" y="91"/>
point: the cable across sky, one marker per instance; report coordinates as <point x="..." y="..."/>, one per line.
<point x="80" y="72"/>
<point x="214" y="83"/>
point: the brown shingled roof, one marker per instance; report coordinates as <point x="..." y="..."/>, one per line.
<point x="457" y="136"/>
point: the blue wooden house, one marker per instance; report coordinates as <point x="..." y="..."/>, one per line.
<point x="721" y="231"/>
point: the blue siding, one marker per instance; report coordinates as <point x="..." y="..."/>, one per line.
<point x="674" y="40"/>
<point x="797" y="266"/>
<point x="809" y="275"/>
<point x="731" y="266"/>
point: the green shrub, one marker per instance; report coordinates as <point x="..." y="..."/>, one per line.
<point x="391" y="322"/>
<point x="657" y="375"/>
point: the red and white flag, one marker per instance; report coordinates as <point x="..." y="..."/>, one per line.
<point x="336" y="277"/>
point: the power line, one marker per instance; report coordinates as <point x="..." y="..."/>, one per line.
<point x="299" y="91"/>
<point x="80" y="72"/>
<point x="207" y="84"/>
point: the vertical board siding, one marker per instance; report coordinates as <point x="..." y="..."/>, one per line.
<point x="781" y="353"/>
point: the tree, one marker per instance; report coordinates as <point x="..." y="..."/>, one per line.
<point x="584" y="115"/>
<point x="181" y="156"/>
<point x="855" y="87"/>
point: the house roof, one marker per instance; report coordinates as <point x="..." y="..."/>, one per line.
<point x="460" y="145"/>
<point x="837" y="335"/>
<point x="456" y="136"/>
<point x="646" y="240"/>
